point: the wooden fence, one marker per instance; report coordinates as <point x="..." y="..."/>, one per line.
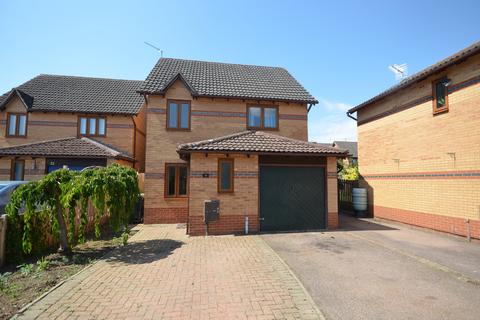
<point x="345" y="187"/>
<point x="3" y="238"/>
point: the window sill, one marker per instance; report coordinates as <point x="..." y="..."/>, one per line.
<point x="440" y="111"/>
<point x="262" y="129"/>
<point x="90" y="136"/>
<point x="176" y="129"/>
<point x="20" y="137"/>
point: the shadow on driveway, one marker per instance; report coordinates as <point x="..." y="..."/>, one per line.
<point x="140" y="252"/>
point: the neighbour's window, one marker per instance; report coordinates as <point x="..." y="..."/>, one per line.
<point x="261" y="117"/>
<point x="225" y="175"/>
<point x="92" y="126"/>
<point x="178" y="115"/>
<point x="18" y="170"/>
<point x="16" y="125"/>
<point x="440" y="95"/>
<point x="176" y="179"/>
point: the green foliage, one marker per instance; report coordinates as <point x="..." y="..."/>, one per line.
<point x="4" y="281"/>
<point x="125" y="237"/>
<point x="349" y="173"/>
<point x="26" y="269"/>
<point x="112" y="190"/>
<point x="42" y="264"/>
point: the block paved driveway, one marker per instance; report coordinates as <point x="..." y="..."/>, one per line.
<point x="379" y="270"/>
<point x="164" y="274"/>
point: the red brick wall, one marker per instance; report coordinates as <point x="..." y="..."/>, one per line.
<point x="210" y="118"/>
<point x="452" y="225"/>
<point x="166" y="215"/>
<point x="227" y="224"/>
<point x="233" y="206"/>
<point x="420" y="168"/>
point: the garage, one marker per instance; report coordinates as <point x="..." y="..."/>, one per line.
<point x="292" y="197"/>
<point x="73" y="164"/>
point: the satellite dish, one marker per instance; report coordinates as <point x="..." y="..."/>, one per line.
<point x="400" y="70"/>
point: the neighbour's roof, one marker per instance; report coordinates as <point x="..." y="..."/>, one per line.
<point x="323" y="144"/>
<point x="259" y="142"/>
<point x="226" y="80"/>
<point x="437" y="67"/>
<point x="78" y="94"/>
<point x="66" y="147"/>
<point x="351" y="146"/>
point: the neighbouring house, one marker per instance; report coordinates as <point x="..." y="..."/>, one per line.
<point x="53" y="121"/>
<point x="236" y="134"/>
<point x="351" y="146"/>
<point x="419" y="147"/>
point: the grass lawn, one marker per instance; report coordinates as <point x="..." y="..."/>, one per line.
<point x="21" y="284"/>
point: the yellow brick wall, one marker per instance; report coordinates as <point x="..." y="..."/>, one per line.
<point x="332" y="197"/>
<point x="244" y="199"/>
<point x="52" y="125"/>
<point x="415" y="141"/>
<point x="34" y="168"/>
<point x="161" y="144"/>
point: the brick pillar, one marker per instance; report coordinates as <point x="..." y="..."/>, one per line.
<point x="332" y="197"/>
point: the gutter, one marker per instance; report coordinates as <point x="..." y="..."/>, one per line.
<point x="350" y="116"/>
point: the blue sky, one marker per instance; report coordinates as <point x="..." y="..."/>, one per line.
<point x="339" y="51"/>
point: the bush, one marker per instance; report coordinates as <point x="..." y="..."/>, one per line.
<point x="58" y="205"/>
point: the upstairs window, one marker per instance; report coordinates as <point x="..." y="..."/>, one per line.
<point x="176" y="178"/>
<point x="225" y="175"/>
<point x="92" y="126"/>
<point x="178" y="115"/>
<point x="440" y="95"/>
<point x="16" y="125"/>
<point x="262" y="117"/>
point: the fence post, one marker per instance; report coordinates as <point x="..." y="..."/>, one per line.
<point x="3" y="233"/>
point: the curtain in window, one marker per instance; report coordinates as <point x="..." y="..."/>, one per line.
<point x="101" y="126"/>
<point x="83" y="125"/>
<point x="184" y="115"/>
<point x="92" y="126"/>
<point x="12" y="125"/>
<point x="22" y="125"/>
<point x="172" y="115"/>
<point x="270" y="117"/>
<point x="254" y="117"/>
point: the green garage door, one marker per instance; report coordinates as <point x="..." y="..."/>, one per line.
<point x="292" y="198"/>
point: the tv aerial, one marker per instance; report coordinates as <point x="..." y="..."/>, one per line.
<point x="400" y="70"/>
<point x="154" y="47"/>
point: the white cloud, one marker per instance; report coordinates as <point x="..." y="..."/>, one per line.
<point x="328" y="122"/>
<point x="334" y="105"/>
<point x="328" y="130"/>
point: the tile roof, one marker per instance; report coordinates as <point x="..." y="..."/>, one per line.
<point x="258" y="142"/>
<point x="351" y="146"/>
<point x="214" y="79"/>
<point x="78" y="94"/>
<point x="68" y="148"/>
<point x="437" y="67"/>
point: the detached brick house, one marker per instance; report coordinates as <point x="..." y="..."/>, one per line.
<point x="419" y="147"/>
<point x="51" y="121"/>
<point x="236" y="134"/>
